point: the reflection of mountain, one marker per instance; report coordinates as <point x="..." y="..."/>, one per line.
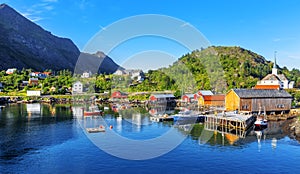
<point x="20" y="136"/>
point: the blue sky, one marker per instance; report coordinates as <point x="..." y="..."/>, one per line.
<point x="262" y="26"/>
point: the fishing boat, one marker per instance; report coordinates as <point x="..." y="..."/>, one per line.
<point x="96" y="129"/>
<point x="93" y="111"/>
<point x="261" y="122"/>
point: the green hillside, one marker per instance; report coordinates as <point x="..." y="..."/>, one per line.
<point x="215" y="68"/>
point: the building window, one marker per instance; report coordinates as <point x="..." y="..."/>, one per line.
<point x="280" y="106"/>
<point x="244" y="107"/>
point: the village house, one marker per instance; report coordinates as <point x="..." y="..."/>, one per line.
<point x="77" y="87"/>
<point x="119" y="95"/>
<point x="258" y="100"/>
<point x="162" y="98"/>
<point x="137" y="75"/>
<point x="274" y="80"/>
<point x="11" y="70"/>
<point x="188" y="98"/>
<point x="33" y="81"/>
<point x="202" y="93"/>
<point x="86" y="74"/>
<point x="40" y="75"/>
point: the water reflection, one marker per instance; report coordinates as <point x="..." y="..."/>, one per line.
<point x="24" y="128"/>
<point x="206" y="133"/>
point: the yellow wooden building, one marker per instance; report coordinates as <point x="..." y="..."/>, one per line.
<point x="256" y="100"/>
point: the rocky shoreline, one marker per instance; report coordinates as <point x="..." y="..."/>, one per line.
<point x="293" y="128"/>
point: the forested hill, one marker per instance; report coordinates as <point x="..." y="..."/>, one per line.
<point x="241" y="68"/>
<point x="216" y="68"/>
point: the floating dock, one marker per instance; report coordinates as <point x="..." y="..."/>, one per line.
<point x="230" y="120"/>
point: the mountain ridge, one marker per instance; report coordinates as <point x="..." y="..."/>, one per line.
<point x="24" y="44"/>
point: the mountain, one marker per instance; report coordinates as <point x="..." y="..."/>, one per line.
<point x="23" y="44"/>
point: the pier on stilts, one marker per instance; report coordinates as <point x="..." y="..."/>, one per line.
<point x="230" y="120"/>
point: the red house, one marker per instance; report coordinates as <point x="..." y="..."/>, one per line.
<point x="162" y="97"/>
<point x="118" y="95"/>
<point x="188" y="98"/>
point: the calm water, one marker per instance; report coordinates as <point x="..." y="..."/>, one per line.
<point x="38" y="138"/>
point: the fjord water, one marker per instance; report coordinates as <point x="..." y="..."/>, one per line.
<point x="39" y="138"/>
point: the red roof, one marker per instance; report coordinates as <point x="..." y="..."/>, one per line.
<point x="220" y="97"/>
<point x="266" y="87"/>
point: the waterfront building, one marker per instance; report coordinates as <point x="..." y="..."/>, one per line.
<point x="212" y="100"/>
<point x="258" y="100"/>
<point x="188" y="98"/>
<point x="162" y="97"/>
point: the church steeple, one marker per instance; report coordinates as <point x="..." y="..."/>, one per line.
<point x="274" y="69"/>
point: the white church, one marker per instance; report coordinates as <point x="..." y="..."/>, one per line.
<point x="275" y="80"/>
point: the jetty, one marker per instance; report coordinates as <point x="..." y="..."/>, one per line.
<point x="230" y="120"/>
<point x="162" y="118"/>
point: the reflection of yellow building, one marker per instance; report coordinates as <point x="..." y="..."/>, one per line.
<point x="231" y="138"/>
<point x="52" y="110"/>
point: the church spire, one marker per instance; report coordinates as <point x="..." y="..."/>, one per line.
<point x="275" y="65"/>
<point x="274" y="69"/>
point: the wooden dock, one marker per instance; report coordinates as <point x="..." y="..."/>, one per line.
<point x="230" y="120"/>
<point x="161" y="118"/>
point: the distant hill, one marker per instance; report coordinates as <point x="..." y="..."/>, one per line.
<point x="23" y="44"/>
<point x="215" y="68"/>
<point x="241" y="68"/>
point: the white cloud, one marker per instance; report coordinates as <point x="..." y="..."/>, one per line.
<point x="36" y="11"/>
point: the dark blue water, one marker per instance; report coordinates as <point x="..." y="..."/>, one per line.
<point x="48" y="139"/>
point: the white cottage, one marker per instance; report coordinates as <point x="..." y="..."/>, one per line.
<point x="77" y="87"/>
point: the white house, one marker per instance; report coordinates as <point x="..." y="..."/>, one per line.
<point x="77" y="87"/>
<point x="11" y="70"/>
<point x="86" y="74"/>
<point x="137" y="75"/>
<point x="33" y="93"/>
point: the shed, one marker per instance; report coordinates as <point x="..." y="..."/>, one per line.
<point x="187" y="98"/>
<point x="202" y="93"/>
<point x="118" y="95"/>
<point x="162" y="97"/>
<point x="256" y="100"/>
<point x="212" y="100"/>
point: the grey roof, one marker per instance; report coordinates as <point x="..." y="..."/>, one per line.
<point x="262" y="93"/>
<point x="163" y="95"/>
<point x="205" y="92"/>
<point x="282" y="77"/>
<point x="189" y="95"/>
<point x="271" y="77"/>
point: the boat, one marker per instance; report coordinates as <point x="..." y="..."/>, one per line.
<point x="93" y="111"/>
<point x="261" y="122"/>
<point x="96" y="130"/>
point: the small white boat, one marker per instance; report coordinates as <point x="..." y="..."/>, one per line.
<point x="260" y="122"/>
<point x="96" y="129"/>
